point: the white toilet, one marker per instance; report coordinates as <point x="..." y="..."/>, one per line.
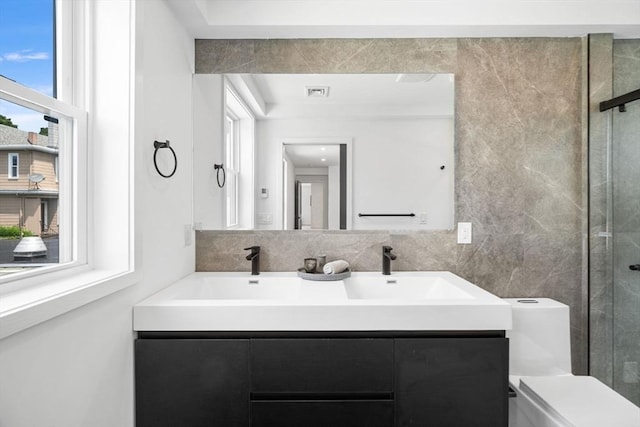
<point x="546" y="393"/>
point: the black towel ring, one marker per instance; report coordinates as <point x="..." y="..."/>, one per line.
<point x="219" y="168"/>
<point x="157" y="145"/>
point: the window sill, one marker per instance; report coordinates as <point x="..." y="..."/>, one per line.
<point x="22" y="309"/>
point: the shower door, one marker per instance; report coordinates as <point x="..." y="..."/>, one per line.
<point x="625" y="172"/>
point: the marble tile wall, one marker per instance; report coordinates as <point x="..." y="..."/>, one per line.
<point x="519" y="165"/>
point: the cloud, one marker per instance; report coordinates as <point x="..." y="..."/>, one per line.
<point x="25" y="56"/>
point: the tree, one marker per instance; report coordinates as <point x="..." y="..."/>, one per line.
<point x="44" y="131"/>
<point x="7" y="121"/>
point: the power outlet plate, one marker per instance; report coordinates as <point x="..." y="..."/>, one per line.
<point x="265" y="218"/>
<point x="464" y="233"/>
<point x="423" y="218"/>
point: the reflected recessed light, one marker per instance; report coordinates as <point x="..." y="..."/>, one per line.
<point x="323" y="160"/>
<point x="323" y="148"/>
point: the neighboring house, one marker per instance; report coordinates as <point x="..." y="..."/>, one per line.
<point x="28" y="180"/>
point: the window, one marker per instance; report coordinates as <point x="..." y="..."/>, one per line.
<point x="14" y="166"/>
<point x="94" y="261"/>
<point x="238" y="153"/>
<point x="27" y="43"/>
<point x="37" y="128"/>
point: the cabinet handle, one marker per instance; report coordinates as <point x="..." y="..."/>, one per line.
<point x="262" y="396"/>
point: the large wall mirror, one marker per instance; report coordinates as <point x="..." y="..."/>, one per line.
<point x="324" y="151"/>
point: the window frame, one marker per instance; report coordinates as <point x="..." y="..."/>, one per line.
<point x="73" y="189"/>
<point x="103" y="262"/>
<point x="243" y="118"/>
<point x="232" y="150"/>
<point x="10" y="166"/>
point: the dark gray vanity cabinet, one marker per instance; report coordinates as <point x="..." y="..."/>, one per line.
<point x="452" y="382"/>
<point x="318" y="366"/>
<point x="192" y="382"/>
<point x="342" y="380"/>
<point x="322" y="382"/>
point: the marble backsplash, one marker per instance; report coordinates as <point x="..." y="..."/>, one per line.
<point x="519" y="165"/>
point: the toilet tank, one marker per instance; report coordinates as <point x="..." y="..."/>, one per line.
<point x="539" y="343"/>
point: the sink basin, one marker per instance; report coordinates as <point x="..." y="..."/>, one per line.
<point x="366" y="301"/>
<point x="240" y="288"/>
<point x="404" y="286"/>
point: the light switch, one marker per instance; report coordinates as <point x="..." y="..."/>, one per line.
<point x="464" y="233"/>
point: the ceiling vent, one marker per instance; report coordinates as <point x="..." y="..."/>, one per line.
<point x="317" y="91"/>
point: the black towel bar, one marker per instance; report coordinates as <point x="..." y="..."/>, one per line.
<point x="409" y="214"/>
<point x="620" y="101"/>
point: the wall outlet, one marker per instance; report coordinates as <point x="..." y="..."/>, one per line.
<point x="188" y="232"/>
<point x="464" y="233"/>
<point x="265" y="218"/>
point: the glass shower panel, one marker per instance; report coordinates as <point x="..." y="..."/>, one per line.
<point x="625" y="158"/>
<point x="626" y="251"/>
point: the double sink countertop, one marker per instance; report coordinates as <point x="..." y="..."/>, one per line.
<point x="282" y="301"/>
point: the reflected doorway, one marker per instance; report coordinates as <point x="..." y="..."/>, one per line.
<point x="311" y="202"/>
<point x="315" y="186"/>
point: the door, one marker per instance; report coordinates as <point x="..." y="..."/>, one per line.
<point x="192" y="382"/>
<point x="626" y="251"/>
<point x="297" y="206"/>
<point x="44" y="216"/>
<point x="451" y="382"/>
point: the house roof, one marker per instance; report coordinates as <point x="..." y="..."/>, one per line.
<point x="16" y="140"/>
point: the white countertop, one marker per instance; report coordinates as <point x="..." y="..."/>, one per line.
<point x="367" y="301"/>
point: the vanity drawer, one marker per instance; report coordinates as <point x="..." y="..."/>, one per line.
<point x="336" y="413"/>
<point x="320" y="365"/>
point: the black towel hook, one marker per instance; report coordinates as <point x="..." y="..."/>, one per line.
<point x="158" y="145"/>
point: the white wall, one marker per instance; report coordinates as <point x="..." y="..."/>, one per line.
<point x="208" y="137"/>
<point x="208" y="130"/>
<point x="385" y="178"/>
<point x="291" y="190"/>
<point x="76" y="370"/>
<point x="334" y="197"/>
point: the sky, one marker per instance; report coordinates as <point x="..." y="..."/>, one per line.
<point x="26" y="53"/>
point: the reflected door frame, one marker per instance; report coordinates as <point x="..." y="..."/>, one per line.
<point x="346" y="183"/>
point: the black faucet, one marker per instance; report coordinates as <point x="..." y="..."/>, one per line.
<point x="254" y="257"/>
<point x="387" y="257"/>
